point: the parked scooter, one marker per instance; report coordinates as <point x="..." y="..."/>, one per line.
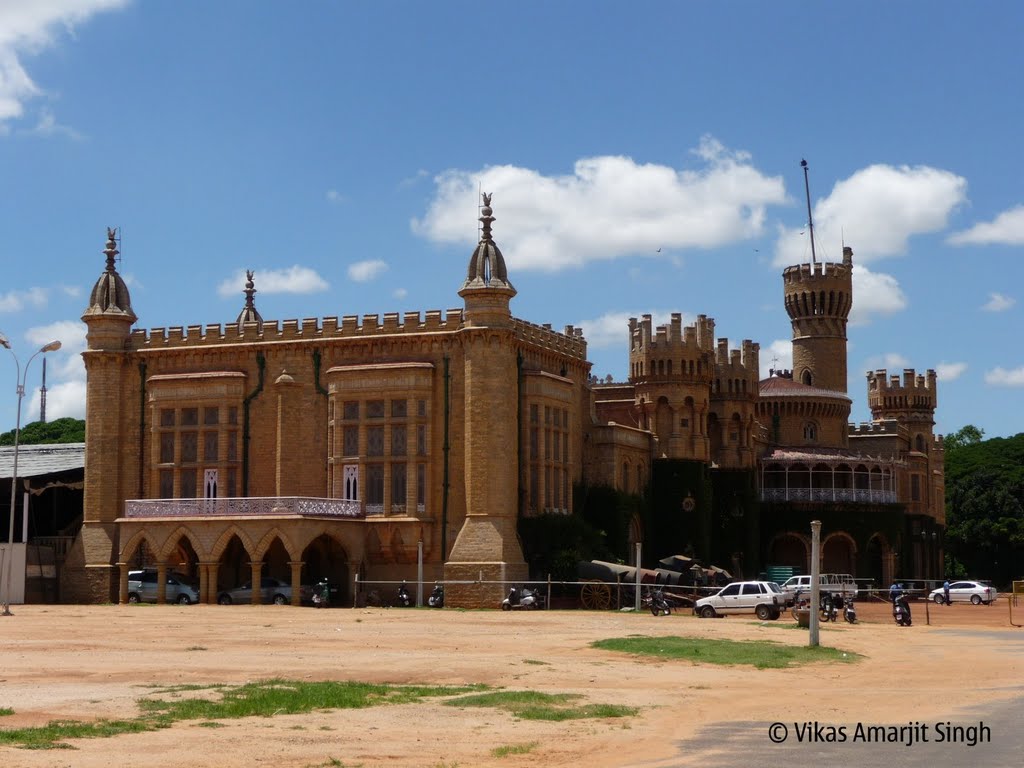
<point x="404" y="598"/>
<point x="827" y="606"/>
<point x="436" y="599"/>
<point x="849" y="612"/>
<point x="322" y="594"/>
<point x="524" y="600"/>
<point x="901" y="610"/>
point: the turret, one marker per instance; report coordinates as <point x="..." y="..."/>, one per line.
<point x="911" y="401"/>
<point x="487" y="290"/>
<point x="818" y="299"/>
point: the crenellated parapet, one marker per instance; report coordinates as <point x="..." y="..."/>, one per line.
<point x="894" y="397"/>
<point x="875" y="428"/>
<point x="307" y="329"/>
<point x="570" y="342"/>
<point x="737" y="371"/>
<point x="818" y="294"/>
<point x="672" y="351"/>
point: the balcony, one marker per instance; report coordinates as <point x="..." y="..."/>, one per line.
<point x="252" y="506"/>
<point x="856" y="495"/>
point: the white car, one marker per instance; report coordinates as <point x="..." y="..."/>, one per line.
<point x="762" y="598"/>
<point x="962" y="591"/>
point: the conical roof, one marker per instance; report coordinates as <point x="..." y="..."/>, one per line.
<point x="487" y="265"/>
<point x="249" y="313"/>
<point x="109" y="295"/>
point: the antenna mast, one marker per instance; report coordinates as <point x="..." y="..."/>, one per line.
<point x="810" y="219"/>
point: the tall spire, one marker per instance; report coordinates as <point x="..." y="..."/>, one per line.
<point x="109" y="295"/>
<point x="487" y="265"/>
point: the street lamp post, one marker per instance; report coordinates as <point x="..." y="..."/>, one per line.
<point x="53" y="346"/>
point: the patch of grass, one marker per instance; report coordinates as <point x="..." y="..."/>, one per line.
<point x="537" y="661"/>
<point x="196" y="648"/>
<point x="533" y="705"/>
<point x="4" y="711"/>
<point x="211" y="724"/>
<point x="514" y="749"/>
<point x="332" y="762"/>
<point x="763" y="654"/>
<point x="260" y="699"/>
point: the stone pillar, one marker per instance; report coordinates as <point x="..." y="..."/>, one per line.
<point x="208" y="583"/>
<point x="161" y="583"/>
<point x="122" y="588"/>
<point x="289" y="406"/>
<point x="257" y="573"/>
<point x="296" y="566"/>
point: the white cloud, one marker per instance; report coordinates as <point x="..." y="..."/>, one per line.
<point x="28" y="27"/>
<point x="606" y="208"/>
<point x="294" y="279"/>
<point x="48" y="126"/>
<point x="1006" y="229"/>
<point x="890" y="361"/>
<point x="1001" y="377"/>
<point x="877" y="210"/>
<point x="64" y="399"/>
<point x="400" y="293"/>
<point x="364" y="271"/>
<point x="73" y="291"/>
<point x="612" y="328"/>
<point x="65" y="370"/>
<point x="16" y="301"/>
<point x="874" y="293"/>
<point x="998" y="302"/>
<point x="334" y="196"/>
<point x="776" y="356"/>
<point x="413" y="180"/>
<point x="950" y="371"/>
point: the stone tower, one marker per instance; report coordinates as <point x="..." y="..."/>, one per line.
<point x="818" y="299"/>
<point x="487" y="545"/>
<point x="109" y="318"/>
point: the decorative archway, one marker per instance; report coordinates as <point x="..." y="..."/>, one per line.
<point x="792" y="549"/>
<point x="839" y="553"/>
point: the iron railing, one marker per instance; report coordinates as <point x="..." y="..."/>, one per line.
<point x="298" y="506"/>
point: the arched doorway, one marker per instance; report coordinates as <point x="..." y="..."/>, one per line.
<point x="791" y="550"/>
<point x="326" y="558"/>
<point x="839" y="554"/>
<point x="234" y="568"/>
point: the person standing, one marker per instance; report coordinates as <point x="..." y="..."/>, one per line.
<point x="945" y="591"/>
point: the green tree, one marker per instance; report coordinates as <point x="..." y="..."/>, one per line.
<point x="66" y="430"/>
<point x="966" y="435"/>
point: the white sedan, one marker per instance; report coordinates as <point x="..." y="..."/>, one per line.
<point x="962" y="591"/>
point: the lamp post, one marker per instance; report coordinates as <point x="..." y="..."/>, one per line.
<point x="19" y="379"/>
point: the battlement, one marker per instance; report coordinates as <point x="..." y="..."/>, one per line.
<point x="873" y="428"/>
<point x="570" y="342"/>
<point x="914" y="392"/>
<point x="818" y="272"/>
<point x="310" y="328"/>
<point x="672" y="340"/>
<point x="744" y="362"/>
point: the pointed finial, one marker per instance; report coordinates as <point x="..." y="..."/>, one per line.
<point x="486" y="218"/>
<point x="111" y="249"/>
<point x="250" y="289"/>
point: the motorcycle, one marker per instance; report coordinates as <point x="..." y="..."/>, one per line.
<point x="525" y="600"/>
<point x="322" y="594"/>
<point x="436" y="599"/>
<point x="901" y="610"/>
<point x="849" y="612"/>
<point x="827" y="606"/>
<point x="658" y="604"/>
<point x="404" y="598"/>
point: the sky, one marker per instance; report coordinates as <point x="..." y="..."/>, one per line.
<point x="643" y="157"/>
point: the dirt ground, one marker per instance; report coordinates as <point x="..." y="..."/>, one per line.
<point x="84" y="662"/>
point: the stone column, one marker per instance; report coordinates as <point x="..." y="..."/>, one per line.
<point x="122" y="589"/>
<point x="289" y="457"/>
<point x="257" y="572"/>
<point x="296" y="566"/>
<point x="161" y="582"/>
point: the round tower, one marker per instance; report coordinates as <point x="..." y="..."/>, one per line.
<point x="109" y="318"/>
<point x="818" y="300"/>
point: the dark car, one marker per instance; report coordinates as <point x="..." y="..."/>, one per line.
<point x="271" y="591"/>
<point x="142" y="587"/>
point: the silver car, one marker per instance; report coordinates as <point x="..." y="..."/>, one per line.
<point x="962" y="591"/>
<point x="142" y="587"/>
<point x="271" y="591"/>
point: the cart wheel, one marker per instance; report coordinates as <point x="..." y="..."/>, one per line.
<point x="596" y="596"/>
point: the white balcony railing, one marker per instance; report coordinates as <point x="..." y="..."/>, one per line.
<point x="857" y="495"/>
<point x="299" y="506"/>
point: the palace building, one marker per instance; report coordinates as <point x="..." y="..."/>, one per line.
<point x="331" y="447"/>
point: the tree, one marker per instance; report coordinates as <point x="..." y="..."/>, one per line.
<point x="966" y="435"/>
<point x="66" y="430"/>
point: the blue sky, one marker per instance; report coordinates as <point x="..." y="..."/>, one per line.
<point x="643" y="157"/>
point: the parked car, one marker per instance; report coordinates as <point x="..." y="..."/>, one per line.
<point x="962" y="591"/>
<point x="836" y="583"/>
<point x="142" y="587"/>
<point x="762" y="598"/>
<point x="271" y="591"/>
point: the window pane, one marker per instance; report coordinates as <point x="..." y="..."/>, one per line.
<point x="232" y="415"/>
<point x="210" y="446"/>
<point x="167" y="448"/>
<point x="398" y="409"/>
<point x="211" y="415"/>
<point x="350" y="445"/>
<point x="232" y="446"/>
<point x="188" y="484"/>
<point x="398" y="447"/>
<point x="375" y="409"/>
<point x="189" y="417"/>
<point x="421" y="440"/>
<point x="397" y="484"/>
<point x="231" y="482"/>
<point x="533" y="414"/>
<point x="351" y="410"/>
<point x="189" y="447"/>
<point x="421" y="483"/>
<point x="375" y="441"/>
<point x="534" y="443"/>
<point x="166" y="417"/>
<point x="375" y="483"/>
<point x="421" y="408"/>
<point x="166" y="484"/>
